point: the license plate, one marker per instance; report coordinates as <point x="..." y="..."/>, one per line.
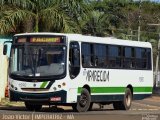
<point x="55" y="99"/>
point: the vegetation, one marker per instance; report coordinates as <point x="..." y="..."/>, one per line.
<point x="41" y="15"/>
<point x="117" y="18"/>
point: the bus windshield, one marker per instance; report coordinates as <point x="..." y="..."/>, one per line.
<point x="31" y="60"/>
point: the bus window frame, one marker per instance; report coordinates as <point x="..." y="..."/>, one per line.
<point x="122" y="57"/>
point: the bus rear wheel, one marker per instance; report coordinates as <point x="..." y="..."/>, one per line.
<point x="126" y="103"/>
<point x="32" y="107"/>
<point x="83" y="102"/>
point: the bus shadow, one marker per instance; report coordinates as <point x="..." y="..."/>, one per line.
<point x="13" y="108"/>
<point x="47" y="109"/>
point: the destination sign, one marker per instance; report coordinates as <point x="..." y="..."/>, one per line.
<point x="45" y="40"/>
<point x="37" y="39"/>
<point x="22" y="40"/>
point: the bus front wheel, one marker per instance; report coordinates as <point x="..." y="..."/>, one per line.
<point x="32" y="107"/>
<point x="83" y="102"/>
<point x="126" y="103"/>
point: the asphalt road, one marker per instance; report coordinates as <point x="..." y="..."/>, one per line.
<point x="148" y="109"/>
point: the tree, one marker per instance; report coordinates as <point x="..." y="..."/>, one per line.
<point x="41" y="15"/>
<point x="105" y="17"/>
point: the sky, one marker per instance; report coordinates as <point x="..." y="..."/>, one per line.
<point x="150" y="0"/>
<point x="155" y="0"/>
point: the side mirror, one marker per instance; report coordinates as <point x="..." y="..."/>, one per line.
<point x="5" y="47"/>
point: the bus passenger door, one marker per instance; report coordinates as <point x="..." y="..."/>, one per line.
<point x="74" y="59"/>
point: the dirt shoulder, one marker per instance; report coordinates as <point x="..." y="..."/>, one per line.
<point x="155" y="98"/>
<point x="6" y="102"/>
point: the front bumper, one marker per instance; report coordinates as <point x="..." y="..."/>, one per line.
<point x="38" y="98"/>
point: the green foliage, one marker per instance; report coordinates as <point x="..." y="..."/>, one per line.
<point x="43" y="15"/>
<point x="118" y="18"/>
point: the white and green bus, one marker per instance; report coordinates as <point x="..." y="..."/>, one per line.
<point x="78" y="70"/>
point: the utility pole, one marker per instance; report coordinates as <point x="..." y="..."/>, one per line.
<point x="139" y="20"/>
<point x="157" y="57"/>
<point x="157" y="63"/>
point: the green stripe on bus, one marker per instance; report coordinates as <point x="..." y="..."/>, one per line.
<point x="43" y="84"/>
<point x="116" y="89"/>
<point x="142" y="89"/>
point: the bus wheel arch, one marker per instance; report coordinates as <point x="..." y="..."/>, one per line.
<point x="131" y="88"/>
<point x="87" y="87"/>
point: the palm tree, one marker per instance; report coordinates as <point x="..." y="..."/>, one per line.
<point x="96" y="24"/>
<point x="42" y="15"/>
<point x="105" y="17"/>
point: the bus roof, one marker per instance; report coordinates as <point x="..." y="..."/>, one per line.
<point x="93" y="39"/>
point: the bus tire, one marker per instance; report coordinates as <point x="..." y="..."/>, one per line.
<point x="74" y="107"/>
<point x="126" y="103"/>
<point x="32" y="107"/>
<point x="83" y="102"/>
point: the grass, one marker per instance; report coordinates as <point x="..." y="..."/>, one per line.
<point x="6" y="102"/>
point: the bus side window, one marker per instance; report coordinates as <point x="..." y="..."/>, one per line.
<point x="114" y="60"/>
<point x="141" y="58"/>
<point x="74" y="59"/>
<point x="149" y="61"/>
<point x="87" y="55"/>
<point x="128" y="61"/>
<point x="100" y="55"/>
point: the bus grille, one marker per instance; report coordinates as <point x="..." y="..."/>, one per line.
<point x="35" y="89"/>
